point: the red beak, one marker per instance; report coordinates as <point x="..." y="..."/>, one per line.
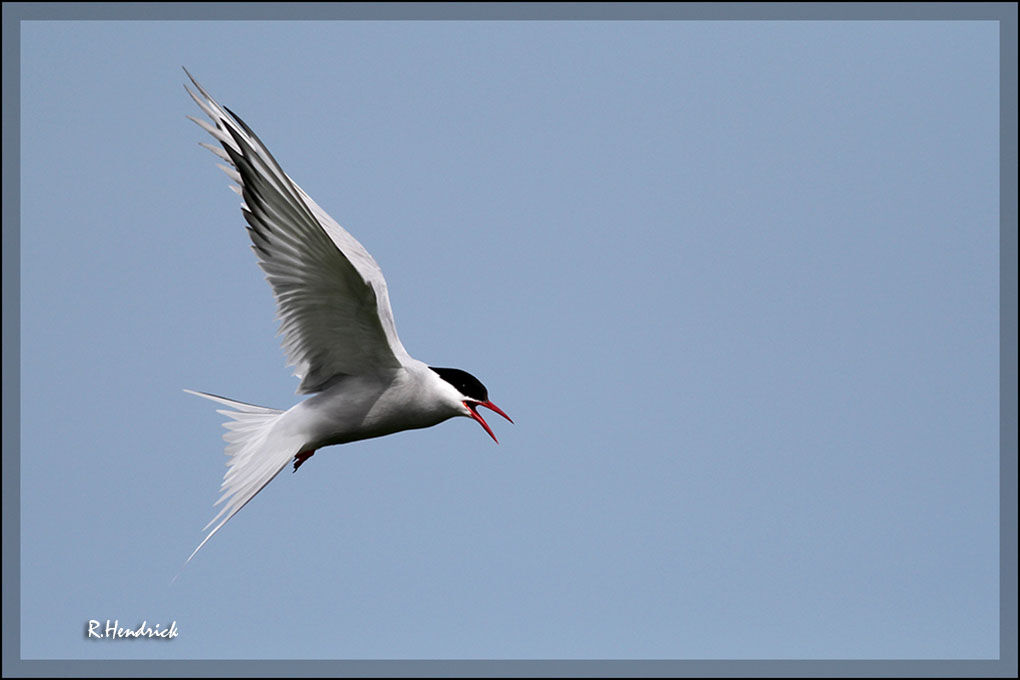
<point x="481" y="421"/>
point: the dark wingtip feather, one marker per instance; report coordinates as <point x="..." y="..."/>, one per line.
<point x="240" y="122"/>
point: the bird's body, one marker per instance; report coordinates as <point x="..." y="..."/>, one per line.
<point x="372" y="405"/>
<point x="337" y="326"/>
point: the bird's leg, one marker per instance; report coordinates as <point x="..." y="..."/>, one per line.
<point x="302" y="457"/>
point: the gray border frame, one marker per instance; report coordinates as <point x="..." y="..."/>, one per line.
<point x="1005" y="13"/>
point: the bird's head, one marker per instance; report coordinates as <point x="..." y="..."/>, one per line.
<point x="473" y="394"/>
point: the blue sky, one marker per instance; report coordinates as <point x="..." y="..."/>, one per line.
<point x="736" y="283"/>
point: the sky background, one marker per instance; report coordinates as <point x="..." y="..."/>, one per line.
<point x="736" y="283"/>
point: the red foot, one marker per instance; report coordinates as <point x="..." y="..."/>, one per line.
<point x="302" y="457"/>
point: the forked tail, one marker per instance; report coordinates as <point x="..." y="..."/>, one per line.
<point x="256" y="456"/>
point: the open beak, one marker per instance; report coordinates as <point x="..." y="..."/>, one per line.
<point x="472" y="405"/>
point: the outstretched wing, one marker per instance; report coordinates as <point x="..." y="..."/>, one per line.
<point x="331" y="296"/>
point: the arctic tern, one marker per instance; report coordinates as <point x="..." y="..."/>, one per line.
<point x="337" y="327"/>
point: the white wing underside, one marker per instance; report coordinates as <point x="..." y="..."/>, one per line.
<point x="332" y="302"/>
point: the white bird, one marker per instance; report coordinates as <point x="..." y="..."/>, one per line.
<point x="337" y="328"/>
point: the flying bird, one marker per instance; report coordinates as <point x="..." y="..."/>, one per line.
<point x="337" y="327"/>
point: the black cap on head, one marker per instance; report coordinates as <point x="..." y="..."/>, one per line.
<point x="467" y="384"/>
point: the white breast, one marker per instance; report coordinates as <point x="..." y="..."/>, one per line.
<point x="365" y="406"/>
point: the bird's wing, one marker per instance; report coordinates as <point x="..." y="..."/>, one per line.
<point x="331" y="296"/>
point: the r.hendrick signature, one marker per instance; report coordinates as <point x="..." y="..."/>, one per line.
<point x="113" y="631"/>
